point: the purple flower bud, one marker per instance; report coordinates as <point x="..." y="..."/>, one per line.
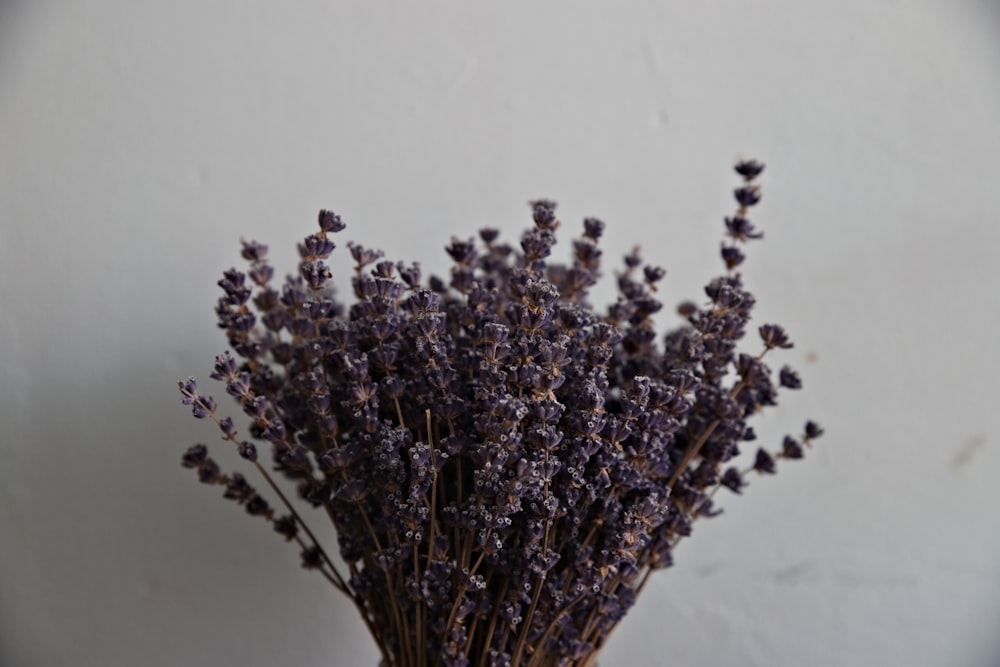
<point x="353" y="492"/>
<point x="588" y="255"/>
<point x="203" y="407"/>
<point x="318" y="310"/>
<point x="315" y="273"/>
<point x="255" y="406"/>
<point x="275" y="431"/>
<point x="536" y="244"/>
<point x="544" y="213"/>
<point x="764" y="463"/>
<point x="301" y="326"/>
<point x="732" y="256"/>
<point x="593" y="228"/>
<point x="495" y="334"/>
<point x="337" y="460"/>
<point x="189" y="391"/>
<point x="253" y="251"/>
<point x="225" y="367"/>
<point x="330" y="221"/>
<point x="316" y="246"/>
<point x="450" y="408"/>
<point x="319" y="402"/>
<point x="233" y="283"/>
<point x="388" y="290"/>
<point x="789" y="378"/>
<point x="683" y="381"/>
<point x="790" y="448"/>
<point x="653" y="274"/>
<point x="749" y="169"/>
<point x="364" y="256"/>
<point x="227" y="427"/>
<point x="195" y="456"/>
<point x="422" y="301"/>
<point x="208" y="472"/>
<point x="384" y="269"/>
<point x="261" y="275"/>
<point x="241" y="322"/>
<point x="409" y="274"/>
<point x="750" y="370"/>
<point x="733" y="480"/>
<point x="248" y="451"/>
<point x="257" y="506"/>
<point x="239" y="385"/>
<point x="286" y="527"/>
<point x="632" y="260"/>
<point x="707" y="509"/>
<point x="463" y="252"/>
<point x="748" y="195"/>
<point x="740" y="229"/>
<point x="430" y="324"/>
<point x="437" y="285"/>
<point x="813" y="430"/>
<point x="774" y="336"/>
<point x="238" y="489"/>
<point x="312" y="558"/>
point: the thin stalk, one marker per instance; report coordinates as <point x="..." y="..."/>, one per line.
<point x="336" y="578"/>
<point x="488" y="638"/>
<point x="461" y="591"/>
<point x="399" y="621"/>
<point x="341" y="584"/>
<point x="528" y="619"/>
<point x="434" y="486"/>
<point x="535" y="659"/>
<point x="417" y="609"/>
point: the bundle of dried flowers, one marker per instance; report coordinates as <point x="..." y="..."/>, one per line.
<point x="504" y="466"/>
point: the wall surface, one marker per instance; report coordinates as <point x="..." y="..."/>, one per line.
<point x="140" y="140"/>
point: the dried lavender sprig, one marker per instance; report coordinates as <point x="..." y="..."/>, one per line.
<point x="205" y="406"/>
<point x="241" y="492"/>
<point x="772" y="335"/>
<point x="764" y="463"/>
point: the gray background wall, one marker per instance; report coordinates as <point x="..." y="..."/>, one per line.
<point x="140" y="140"/>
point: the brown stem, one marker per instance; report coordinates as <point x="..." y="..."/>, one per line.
<point x="488" y="638"/>
<point x="526" y="626"/>
<point x="534" y="661"/>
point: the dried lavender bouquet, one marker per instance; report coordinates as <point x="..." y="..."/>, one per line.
<point x="504" y="466"/>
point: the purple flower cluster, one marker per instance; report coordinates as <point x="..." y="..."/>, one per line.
<point x="504" y="465"/>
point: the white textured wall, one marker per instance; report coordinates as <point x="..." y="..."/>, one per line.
<point x="139" y="140"/>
